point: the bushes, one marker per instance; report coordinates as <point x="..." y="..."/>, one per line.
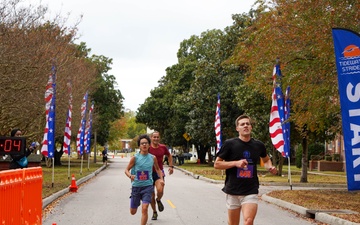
<point x="314" y="149"/>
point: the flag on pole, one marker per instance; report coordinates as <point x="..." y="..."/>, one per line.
<point x="87" y="141"/>
<point x="67" y="133"/>
<point x="277" y="116"/>
<point x="218" y="125"/>
<point x="275" y="126"/>
<point x="48" y="142"/>
<point x="287" y="122"/>
<point x="81" y="132"/>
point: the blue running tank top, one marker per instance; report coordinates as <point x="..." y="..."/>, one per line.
<point x="143" y="170"/>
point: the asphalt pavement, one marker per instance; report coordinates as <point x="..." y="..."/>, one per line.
<point x="110" y="193"/>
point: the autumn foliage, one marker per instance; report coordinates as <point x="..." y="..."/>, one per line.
<point x="30" y="46"/>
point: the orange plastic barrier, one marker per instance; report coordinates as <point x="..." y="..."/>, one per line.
<point x="21" y="196"/>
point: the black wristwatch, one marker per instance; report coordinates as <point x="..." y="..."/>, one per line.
<point x="171" y="166"/>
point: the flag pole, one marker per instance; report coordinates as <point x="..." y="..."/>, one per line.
<point x="89" y="162"/>
<point x="82" y="157"/>
<point x="68" y="167"/>
<point x="289" y="174"/>
<point x="53" y="168"/>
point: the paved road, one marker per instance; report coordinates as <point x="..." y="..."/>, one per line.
<point x="188" y="201"/>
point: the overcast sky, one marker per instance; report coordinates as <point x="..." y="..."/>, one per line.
<point x="143" y="37"/>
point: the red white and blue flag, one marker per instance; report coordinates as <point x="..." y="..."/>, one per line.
<point x="48" y="143"/>
<point x="277" y="114"/>
<point x="275" y="127"/>
<point x="81" y="133"/>
<point x="67" y="133"/>
<point x="218" y="125"/>
<point x="87" y="140"/>
<point x="287" y="122"/>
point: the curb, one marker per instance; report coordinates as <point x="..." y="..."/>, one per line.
<point x="299" y="209"/>
<point x="199" y="177"/>
<point x="319" y="216"/>
<point x="53" y="197"/>
<point x="326" y="218"/>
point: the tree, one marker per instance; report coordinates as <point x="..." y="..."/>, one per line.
<point x="299" y="33"/>
<point x="30" y="46"/>
<point x="177" y="105"/>
<point x="108" y="100"/>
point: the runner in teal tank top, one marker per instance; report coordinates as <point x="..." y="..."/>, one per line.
<point x="141" y="167"/>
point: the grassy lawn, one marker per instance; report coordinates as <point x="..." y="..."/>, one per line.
<point x="326" y="199"/>
<point x="61" y="179"/>
<point x="264" y="176"/>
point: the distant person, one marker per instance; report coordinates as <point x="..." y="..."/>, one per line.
<point x="20" y="161"/>
<point x="239" y="157"/>
<point x="140" y="171"/>
<point x="159" y="151"/>
<point x="104" y="156"/>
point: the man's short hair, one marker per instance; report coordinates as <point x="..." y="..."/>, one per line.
<point x="243" y="117"/>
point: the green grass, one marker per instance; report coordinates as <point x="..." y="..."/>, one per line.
<point x="208" y="171"/>
<point x="61" y="179"/>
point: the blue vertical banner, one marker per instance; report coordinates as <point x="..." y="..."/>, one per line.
<point x="347" y="55"/>
<point x="51" y="134"/>
<point x="286" y="130"/>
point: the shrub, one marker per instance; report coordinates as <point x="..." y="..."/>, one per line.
<point x="313" y="149"/>
<point x="316" y="149"/>
<point x="328" y="158"/>
<point x="298" y="155"/>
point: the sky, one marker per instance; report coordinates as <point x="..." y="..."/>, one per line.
<point x="142" y="36"/>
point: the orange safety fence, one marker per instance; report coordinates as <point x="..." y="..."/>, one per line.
<point x="21" y="196"/>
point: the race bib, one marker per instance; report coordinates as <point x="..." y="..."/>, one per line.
<point x="246" y="172"/>
<point x="142" y="175"/>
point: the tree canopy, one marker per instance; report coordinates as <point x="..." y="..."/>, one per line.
<point x="30" y="46"/>
<point x="238" y="63"/>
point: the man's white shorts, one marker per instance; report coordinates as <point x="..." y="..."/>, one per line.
<point x="235" y="201"/>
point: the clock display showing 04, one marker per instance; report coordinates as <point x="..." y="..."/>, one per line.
<point x="12" y="145"/>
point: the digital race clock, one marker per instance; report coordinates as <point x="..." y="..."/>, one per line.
<point x="12" y="145"/>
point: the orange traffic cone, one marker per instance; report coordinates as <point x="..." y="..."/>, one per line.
<point x="73" y="187"/>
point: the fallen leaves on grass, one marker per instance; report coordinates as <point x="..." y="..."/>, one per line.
<point x="324" y="199"/>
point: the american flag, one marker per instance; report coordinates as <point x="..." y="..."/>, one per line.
<point x="218" y="125"/>
<point x="48" y="142"/>
<point x="88" y="130"/>
<point x="277" y="114"/>
<point x="81" y="132"/>
<point x="67" y="133"/>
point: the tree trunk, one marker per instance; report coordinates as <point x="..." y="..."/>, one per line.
<point x="210" y="157"/>
<point x="273" y="158"/>
<point x="304" y="161"/>
<point x="281" y="163"/>
<point x="202" y="153"/>
<point x="57" y="157"/>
